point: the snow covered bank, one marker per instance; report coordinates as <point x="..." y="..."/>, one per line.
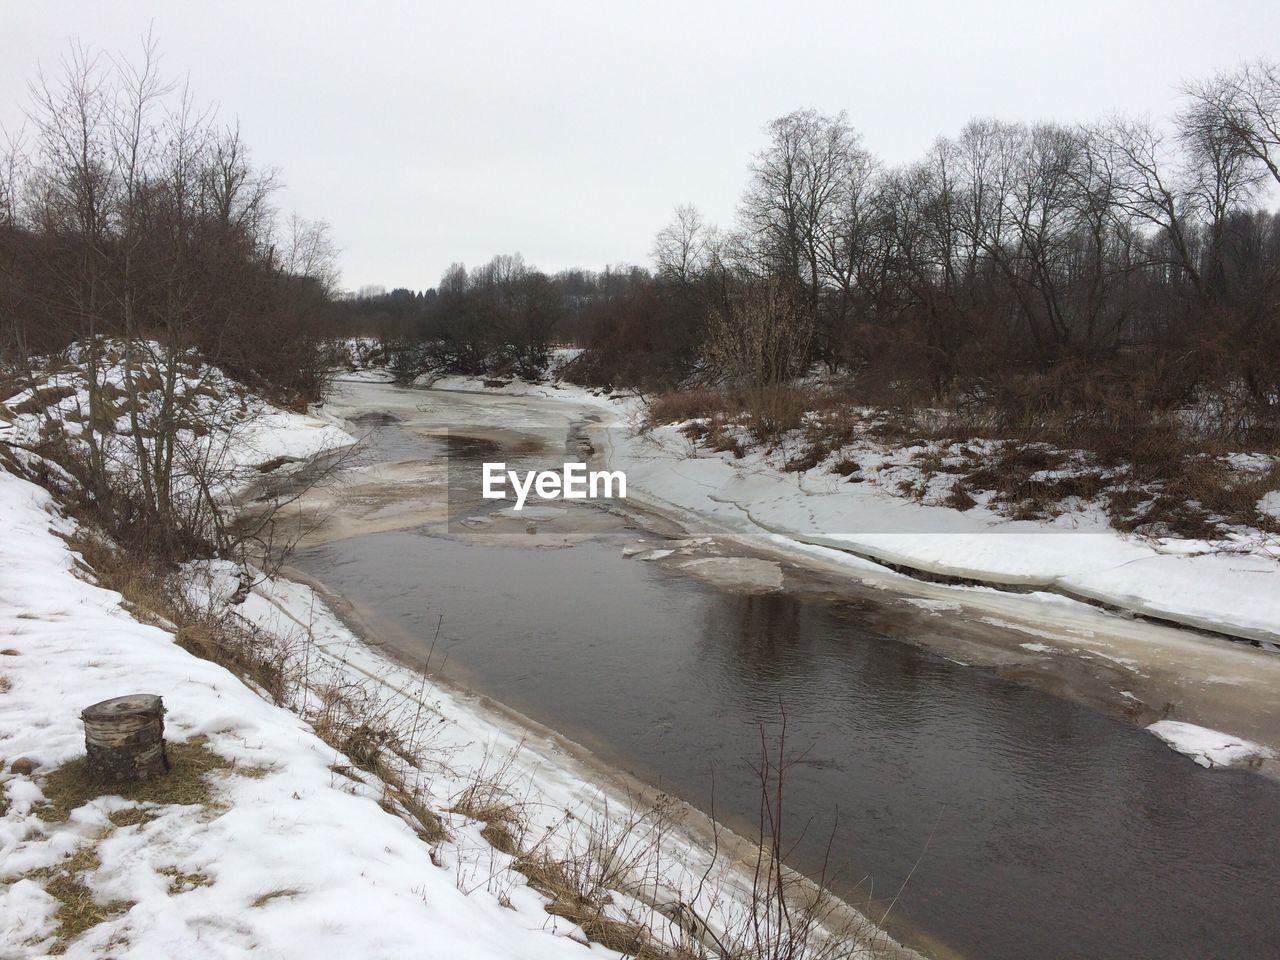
<point x="297" y="853"/>
<point x="350" y="879"/>
<point x="219" y="428"/>
<point x="1230" y="587"/>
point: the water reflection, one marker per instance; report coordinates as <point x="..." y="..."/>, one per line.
<point x="1037" y="827"/>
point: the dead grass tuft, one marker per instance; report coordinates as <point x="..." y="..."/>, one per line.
<point x="79" y="910"/>
<point x="554" y="880"/>
<point x="42" y="398"/>
<point x="283" y="892"/>
<point x="132" y="816"/>
<point x="410" y="806"/>
<point x="490" y="803"/>
<point x="345" y="771"/>
<point x="182" y="882"/>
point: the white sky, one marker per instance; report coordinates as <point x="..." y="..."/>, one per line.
<point x="429" y="132"/>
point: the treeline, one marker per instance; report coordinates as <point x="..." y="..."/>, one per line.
<point x="1106" y="269"/>
<point x="126" y="211"/>
<point x="502" y="318"/>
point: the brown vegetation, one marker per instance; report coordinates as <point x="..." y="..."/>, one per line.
<point x="1151" y="471"/>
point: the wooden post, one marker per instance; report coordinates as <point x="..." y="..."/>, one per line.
<point x="124" y="738"/>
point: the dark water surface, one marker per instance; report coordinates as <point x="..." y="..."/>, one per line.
<point x="1037" y="828"/>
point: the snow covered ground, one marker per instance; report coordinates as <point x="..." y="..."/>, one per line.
<point x="1231" y="587"/>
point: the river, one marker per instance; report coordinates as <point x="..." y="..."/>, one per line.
<point x="1003" y="819"/>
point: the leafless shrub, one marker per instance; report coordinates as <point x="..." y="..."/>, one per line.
<point x="757" y="336"/>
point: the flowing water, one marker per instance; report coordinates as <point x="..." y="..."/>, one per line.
<point x="1013" y="824"/>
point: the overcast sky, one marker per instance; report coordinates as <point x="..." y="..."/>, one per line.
<point x="431" y="132"/>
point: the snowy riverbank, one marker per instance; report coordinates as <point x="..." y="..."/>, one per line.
<point x="288" y="847"/>
<point x="291" y="859"/>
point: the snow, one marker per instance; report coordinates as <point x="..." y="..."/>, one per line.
<point x="1269" y="504"/>
<point x="281" y="435"/>
<point x="748" y="574"/>
<point x="1208" y="748"/>
<point x="935" y="608"/>
<point x="653" y="554"/>
<point x="1235" y="592"/>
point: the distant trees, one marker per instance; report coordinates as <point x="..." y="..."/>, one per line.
<point x="1124" y="264"/>
<point x="497" y="319"/>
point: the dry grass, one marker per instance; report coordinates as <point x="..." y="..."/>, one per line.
<point x="410" y="805"/>
<point x="71" y="785"/>
<point x="79" y="910"/>
<point x="132" y="816"/>
<point x="383" y="736"/>
<point x="765" y="412"/>
<point x="43" y="398"/>
<point x="1150" y="472"/>
<point x="182" y="882"/>
<point x="345" y="771"/>
<point x="283" y="892"/>
<point x="550" y="877"/>
<point x="489" y="802"/>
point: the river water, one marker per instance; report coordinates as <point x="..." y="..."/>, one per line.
<point x="1008" y="823"/>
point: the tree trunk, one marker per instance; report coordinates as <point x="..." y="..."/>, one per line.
<point x="124" y="738"/>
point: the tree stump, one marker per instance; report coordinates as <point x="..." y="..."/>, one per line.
<point x="124" y="738"/>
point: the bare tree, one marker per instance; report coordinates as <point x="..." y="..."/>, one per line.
<point x="1242" y="108"/>
<point x="683" y="248"/>
<point x="309" y="252"/>
<point x="795" y="205"/>
<point x="1144" y="175"/>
